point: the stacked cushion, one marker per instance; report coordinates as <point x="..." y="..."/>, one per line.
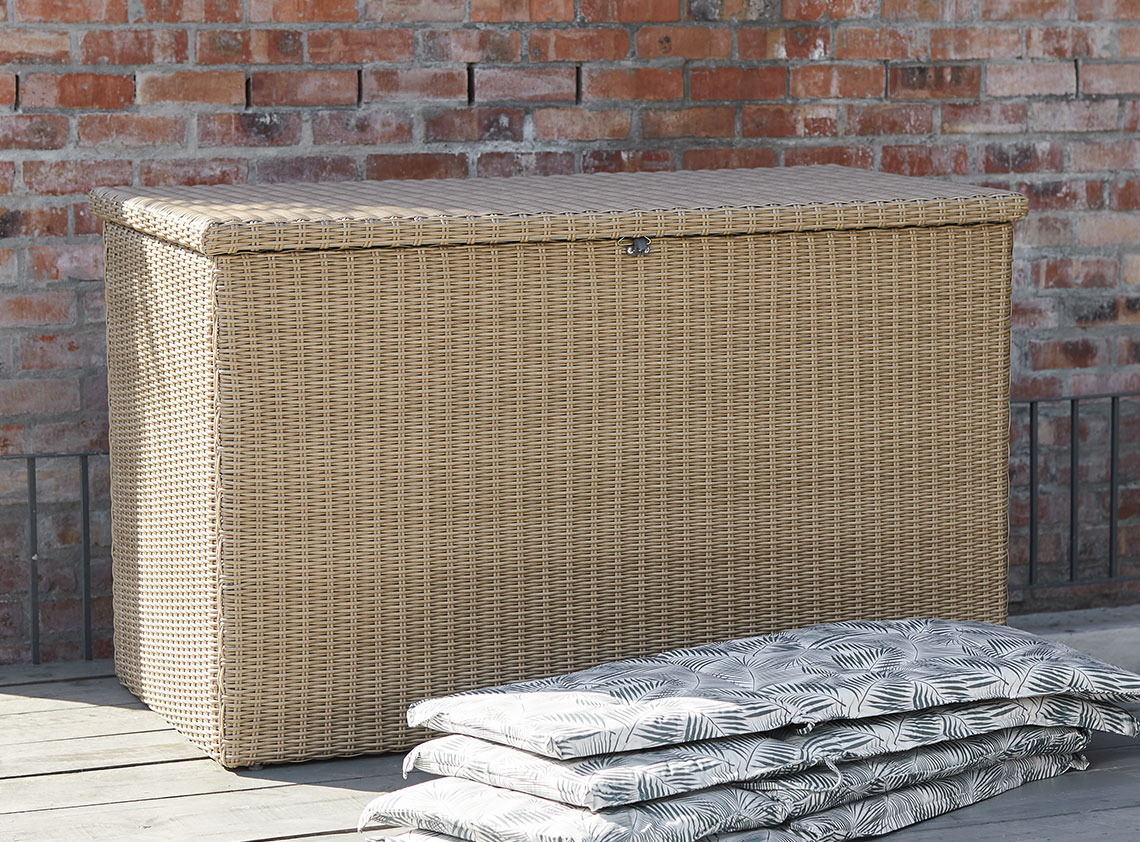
<point x="826" y="733"/>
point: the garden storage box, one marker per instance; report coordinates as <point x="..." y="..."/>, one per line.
<point x="373" y="442"/>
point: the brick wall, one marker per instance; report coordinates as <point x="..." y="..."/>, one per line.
<point x="1039" y="95"/>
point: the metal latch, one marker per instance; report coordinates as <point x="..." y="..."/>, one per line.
<point x="637" y="246"/>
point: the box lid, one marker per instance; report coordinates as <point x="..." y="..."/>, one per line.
<point x="229" y="219"/>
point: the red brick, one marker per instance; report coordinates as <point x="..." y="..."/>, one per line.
<point x="347" y="46"/>
<point x="632" y="83"/>
<point x="72" y="262"/>
<point x="538" y="84"/>
<point x="310" y="169"/>
<point x="500" y="164"/>
<point x="789" y="121"/>
<point x="1023" y="9"/>
<point x="474" y="124"/>
<point x="1110" y="78"/>
<point x="1062" y="195"/>
<point x="1067" y="353"/>
<point x="877" y="43"/>
<point x="1113" y="155"/>
<point x="1108" y="229"/>
<point x="133" y="46"/>
<point x="1041" y="230"/>
<point x="130" y="129"/>
<point x="948" y="81"/>
<point x="192" y="11"/>
<point x="303" y="87"/>
<point x="630" y="11"/>
<point x="40" y="396"/>
<point x="192" y="171"/>
<point x="1132" y="116"/>
<point x="1027" y="79"/>
<point x="71" y="11"/>
<point x="83" y="221"/>
<point x="578" y="44"/>
<point x="1128" y="352"/>
<point x="217" y="87"/>
<point x="943" y="10"/>
<point x="627" y="160"/>
<point x="737" y="83"/>
<point x="707" y="121"/>
<point x="35" y="46"/>
<point x="833" y="9"/>
<point x="12" y="439"/>
<point x="1035" y="313"/>
<point x="415" y="84"/>
<point x="1075" y="116"/>
<point x="837" y="80"/>
<point x="1098" y="383"/>
<point x="580" y="124"/>
<point x="33" y="309"/>
<point x="1022" y="157"/>
<point x="248" y="128"/>
<point x="300" y="11"/>
<point x="76" y="90"/>
<point x="7" y="266"/>
<point x="470" y="45"/>
<point x="1101" y="10"/>
<point x="984" y="118"/>
<point x="257" y="46"/>
<point x="848" y="156"/>
<point x="975" y="42"/>
<point x="1126" y="194"/>
<point x="926" y="160"/>
<point x="365" y="128"/>
<point x="723" y="159"/>
<point x="538" y="11"/>
<point x="420" y="165"/>
<point x="401" y="11"/>
<point x="47" y="352"/>
<point x="1129" y="38"/>
<point x="785" y="42"/>
<point x="7" y="89"/>
<point x="56" y="177"/>
<point x="683" y="42"/>
<point x="890" y="119"/>
<point x="1068" y="41"/>
<point x="7" y="181"/>
<point x="33" y="222"/>
<point x="1131" y="269"/>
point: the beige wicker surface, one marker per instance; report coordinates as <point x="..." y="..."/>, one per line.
<point x="345" y="480"/>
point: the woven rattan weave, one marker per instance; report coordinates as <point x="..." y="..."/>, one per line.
<point x="380" y="441"/>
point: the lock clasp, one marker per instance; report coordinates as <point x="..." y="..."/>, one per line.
<point x="637" y="246"/>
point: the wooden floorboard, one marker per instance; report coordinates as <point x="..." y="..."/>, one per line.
<point x="59" y="695"/>
<point x="62" y="671"/>
<point x="52" y="757"/>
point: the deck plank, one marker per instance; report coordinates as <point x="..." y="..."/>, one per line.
<point x="60" y="695"/>
<point x="51" y="757"/>
<point x="13" y="674"/>
<point x="77" y="723"/>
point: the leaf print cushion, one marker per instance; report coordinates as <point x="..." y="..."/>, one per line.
<point x="843" y="670"/>
<point x="616" y="779"/>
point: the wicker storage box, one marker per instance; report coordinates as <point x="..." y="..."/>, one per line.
<point x="378" y="441"/>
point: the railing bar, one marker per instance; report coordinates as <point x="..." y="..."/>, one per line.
<point x="1113" y="486"/>
<point x="53" y="455"/>
<point x="85" y="509"/>
<point x="33" y="562"/>
<point x="1081" y="397"/>
<point x="1032" y="492"/>
<point x="1074" y="483"/>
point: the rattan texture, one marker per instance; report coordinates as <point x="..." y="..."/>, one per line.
<point x="346" y="480"/>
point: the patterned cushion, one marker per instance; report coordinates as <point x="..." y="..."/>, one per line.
<point x="837" y="671"/>
<point x="616" y="779"/>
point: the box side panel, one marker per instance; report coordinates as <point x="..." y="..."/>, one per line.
<point x="162" y="394"/>
<point x="452" y="467"/>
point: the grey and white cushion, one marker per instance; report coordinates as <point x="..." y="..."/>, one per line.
<point x="844" y="670"/>
<point x="482" y="813"/>
<point x="626" y="778"/>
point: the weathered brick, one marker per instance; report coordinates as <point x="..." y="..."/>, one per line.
<point x="371" y="127"/>
<point x="627" y="160"/>
<point x="1110" y="78"/>
<point x="737" y="83"/>
<point x="7" y="266"/>
<point x="878" y="43"/>
<point x="1108" y="229"/>
<point x="538" y="11"/>
<point x="502" y="164"/>
<point x="1029" y="79"/>
<point x="578" y="45"/>
<point x="630" y="11"/>
<point x="1116" y="155"/>
<point x="1126" y="194"/>
<point x="580" y="124"/>
<point x="129" y="129"/>
<point x="698" y="42"/>
<point x="1022" y="157"/>
<point x="975" y="42"/>
<point x="941" y="10"/>
<point x="416" y="11"/>
<point x="1042" y="230"/>
<point x="1023" y="9"/>
<point x="1101" y="10"/>
<point x="314" y="169"/>
<point x="1131" y="120"/>
<point x="216" y="87"/>
<point x="789" y="120"/>
<point x="303" y="87"/>
<point x="1129" y="41"/>
<point x="833" y="9"/>
<point x="7" y="181"/>
<point x="248" y="128"/>
<point x="647" y="83"/>
<point x="890" y="119"/>
<point x="257" y="46"/>
<point x="34" y="309"/>
<point x="71" y="262"/>
<point x="470" y="45"/>
<point x="54" y="351"/>
<point x="1068" y="42"/>
<point x="347" y="46"/>
<point x="1128" y="353"/>
<point x="416" y="84"/>
<point x="416" y="165"/>
<point x="525" y="84"/>
<point x="1033" y="313"/>
<point x="737" y="157"/>
<point x="1130" y="269"/>
<point x="847" y="156"/>
<point x="1073" y="273"/>
<point x="924" y="81"/>
<point x="837" y="80"/>
<point x="783" y="42"/>
<point x="192" y="11"/>
<point x="35" y="46"/>
<point x="302" y="11"/>
<point x="83" y="221"/>
<point x="1067" y="353"/>
<point x="58" y="177"/>
<point x="133" y="46"/>
<point x="33" y="222"/>
<point x="984" y="118"/>
<point x="192" y="171"/>
<point x="1075" y="116"/>
<point x="7" y="89"/>
<point x="702" y="121"/>
<point x="1063" y="195"/>
<point x="76" y="90"/>
<point x="926" y="160"/>
<point x="71" y="11"/>
<point x="40" y="396"/>
<point x="474" y="124"/>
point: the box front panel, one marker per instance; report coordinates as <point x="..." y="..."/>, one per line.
<point x="446" y="468"/>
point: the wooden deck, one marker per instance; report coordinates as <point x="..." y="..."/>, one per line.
<point x="82" y="759"/>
